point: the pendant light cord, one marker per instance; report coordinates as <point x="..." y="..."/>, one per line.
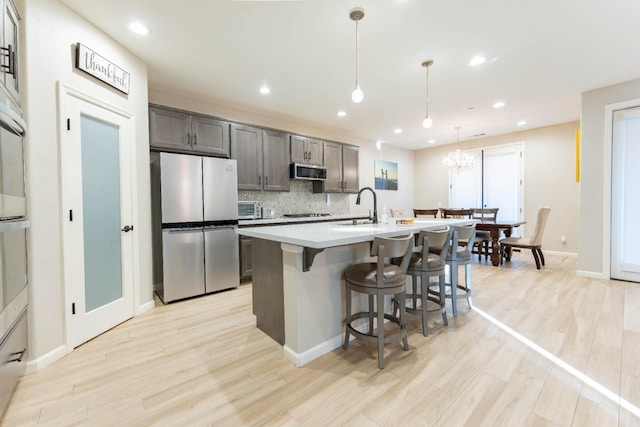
<point x="357" y="58"/>
<point x="427" y="92"/>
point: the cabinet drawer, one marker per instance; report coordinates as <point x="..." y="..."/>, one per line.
<point x="13" y="359"/>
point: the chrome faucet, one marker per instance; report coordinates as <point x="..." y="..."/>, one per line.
<point x="375" y="203"/>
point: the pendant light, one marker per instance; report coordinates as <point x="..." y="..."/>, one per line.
<point x="427" y="122"/>
<point x="356" y="14"/>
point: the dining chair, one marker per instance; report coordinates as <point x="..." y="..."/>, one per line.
<point x="425" y="213"/>
<point x="456" y="213"/>
<point x="483" y="238"/>
<point x="379" y="279"/>
<point x="534" y="242"/>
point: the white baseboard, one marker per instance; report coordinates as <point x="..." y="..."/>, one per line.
<point x="591" y="274"/>
<point x="58" y="353"/>
<point x="145" y="307"/>
<point x="569" y="254"/>
<point x="47" y="359"/>
<point x="301" y="359"/>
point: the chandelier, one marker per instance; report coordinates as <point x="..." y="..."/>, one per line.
<point x="457" y="160"/>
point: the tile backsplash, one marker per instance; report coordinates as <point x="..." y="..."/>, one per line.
<point x="300" y="199"/>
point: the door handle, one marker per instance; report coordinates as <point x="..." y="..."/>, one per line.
<point x="17" y="356"/>
<point x="127" y="228"/>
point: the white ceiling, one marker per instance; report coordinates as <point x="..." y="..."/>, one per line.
<point x="541" y="55"/>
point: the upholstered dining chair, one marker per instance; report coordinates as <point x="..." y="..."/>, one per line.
<point x="534" y="242"/>
<point x="425" y="264"/>
<point x="426" y="213"/>
<point x="396" y="213"/>
<point x="378" y="279"/>
<point x="483" y="238"/>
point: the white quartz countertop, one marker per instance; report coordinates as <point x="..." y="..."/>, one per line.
<point x="328" y="234"/>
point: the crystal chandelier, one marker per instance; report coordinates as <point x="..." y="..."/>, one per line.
<point x="457" y="160"/>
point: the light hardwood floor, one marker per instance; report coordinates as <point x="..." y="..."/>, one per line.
<point x="203" y="362"/>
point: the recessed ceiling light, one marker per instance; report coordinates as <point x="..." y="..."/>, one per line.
<point x="397" y="131"/>
<point x="521" y="123"/>
<point x="432" y="141"/>
<point x="477" y="60"/>
<point x="499" y="104"/>
<point x="341" y="113"/>
<point x="139" y="28"/>
<point x="265" y="90"/>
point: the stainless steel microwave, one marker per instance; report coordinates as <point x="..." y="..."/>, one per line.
<point x="306" y="171"/>
<point x="249" y="210"/>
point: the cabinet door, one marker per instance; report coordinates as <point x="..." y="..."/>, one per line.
<point x="298" y="149"/>
<point x="350" y="171"/>
<point x="246" y="266"/>
<point x="246" y="148"/>
<point x="169" y="129"/>
<point x="333" y="163"/>
<point x="13" y="359"/>
<point x="210" y="136"/>
<point x="275" y="155"/>
<point x="11" y="39"/>
<point x="315" y="151"/>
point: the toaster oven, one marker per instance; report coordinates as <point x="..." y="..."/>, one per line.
<point x="249" y="210"/>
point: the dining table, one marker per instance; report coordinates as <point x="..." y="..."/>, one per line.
<point x="494" y="229"/>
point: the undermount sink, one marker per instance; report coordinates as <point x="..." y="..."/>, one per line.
<point x="357" y="222"/>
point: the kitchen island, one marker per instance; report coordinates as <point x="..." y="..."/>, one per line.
<point x="298" y="283"/>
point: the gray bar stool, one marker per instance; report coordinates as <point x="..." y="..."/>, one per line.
<point x="460" y="256"/>
<point x="378" y="279"/>
<point x="425" y="264"/>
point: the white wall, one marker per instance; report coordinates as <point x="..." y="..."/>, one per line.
<point x="594" y="141"/>
<point x="549" y="179"/>
<point x="50" y="31"/>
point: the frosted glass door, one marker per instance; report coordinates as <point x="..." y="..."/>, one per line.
<point x="98" y="222"/>
<point x="625" y="203"/>
<point x="101" y="212"/>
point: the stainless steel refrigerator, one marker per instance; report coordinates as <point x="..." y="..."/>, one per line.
<point x="195" y="216"/>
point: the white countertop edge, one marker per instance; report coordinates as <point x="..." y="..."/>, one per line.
<point x="325" y="235"/>
<point x="287" y="220"/>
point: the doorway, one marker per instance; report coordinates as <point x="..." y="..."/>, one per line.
<point x="625" y="205"/>
<point x="96" y="164"/>
<point x="494" y="181"/>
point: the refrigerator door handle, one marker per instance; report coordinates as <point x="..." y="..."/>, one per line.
<point x="183" y="230"/>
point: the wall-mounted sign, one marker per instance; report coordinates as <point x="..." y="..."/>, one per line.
<point x="101" y="68"/>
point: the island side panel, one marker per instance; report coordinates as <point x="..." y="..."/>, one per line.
<point x="267" y="288"/>
<point x="314" y="300"/>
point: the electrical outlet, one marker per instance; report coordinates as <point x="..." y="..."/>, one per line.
<point x="563" y="239"/>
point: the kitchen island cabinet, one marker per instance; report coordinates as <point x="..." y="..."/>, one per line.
<point x="298" y="286"/>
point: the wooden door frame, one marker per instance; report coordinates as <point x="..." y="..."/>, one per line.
<point x="64" y="92"/>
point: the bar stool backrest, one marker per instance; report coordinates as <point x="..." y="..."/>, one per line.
<point x="392" y="247"/>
